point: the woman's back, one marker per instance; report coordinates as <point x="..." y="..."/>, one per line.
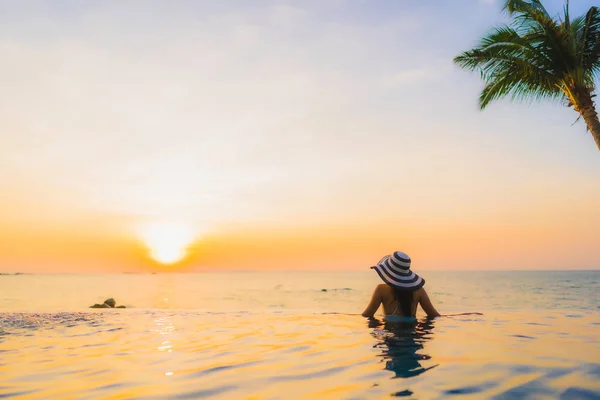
<point x="395" y="305"/>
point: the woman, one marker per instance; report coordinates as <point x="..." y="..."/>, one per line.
<point x="402" y="291"/>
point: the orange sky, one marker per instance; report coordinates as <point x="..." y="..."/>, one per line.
<point x="566" y="241"/>
<point x="261" y="134"/>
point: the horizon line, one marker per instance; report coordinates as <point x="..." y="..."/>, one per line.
<point x="281" y="270"/>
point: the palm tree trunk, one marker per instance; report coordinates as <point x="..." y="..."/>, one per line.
<point x="590" y="116"/>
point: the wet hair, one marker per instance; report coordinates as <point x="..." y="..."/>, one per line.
<point x="405" y="300"/>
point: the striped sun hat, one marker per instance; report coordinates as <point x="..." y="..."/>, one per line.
<point x="395" y="270"/>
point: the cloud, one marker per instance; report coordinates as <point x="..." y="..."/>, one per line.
<point x="198" y="112"/>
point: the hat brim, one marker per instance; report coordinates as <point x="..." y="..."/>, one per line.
<point x="410" y="281"/>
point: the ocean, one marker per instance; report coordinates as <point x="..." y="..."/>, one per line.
<point x="286" y="335"/>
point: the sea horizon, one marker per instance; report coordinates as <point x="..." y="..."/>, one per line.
<point x="219" y="270"/>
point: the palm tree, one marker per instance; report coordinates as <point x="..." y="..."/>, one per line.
<point x="539" y="57"/>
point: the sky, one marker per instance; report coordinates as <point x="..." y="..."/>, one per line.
<point x="278" y="135"/>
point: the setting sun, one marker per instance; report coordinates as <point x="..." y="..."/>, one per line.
<point x="167" y="242"/>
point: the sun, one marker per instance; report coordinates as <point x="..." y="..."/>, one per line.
<point x="168" y="242"/>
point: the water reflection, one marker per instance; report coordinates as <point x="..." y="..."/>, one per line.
<point x="401" y="345"/>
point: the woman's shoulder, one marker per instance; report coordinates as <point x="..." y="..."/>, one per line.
<point x="384" y="288"/>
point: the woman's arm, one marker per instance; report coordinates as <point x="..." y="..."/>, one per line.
<point x="427" y="306"/>
<point x="373" y="304"/>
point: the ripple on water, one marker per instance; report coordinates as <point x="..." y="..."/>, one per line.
<point x="224" y="368"/>
<point x="206" y="393"/>
<point x="575" y="393"/>
<point x="469" y="389"/>
<point x="4" y="394"/>
<point x="315" y="374"/>
<point x="403" y="393"/>
<point x="522" y="336"/>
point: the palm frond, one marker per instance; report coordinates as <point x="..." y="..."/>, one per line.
<point x="589" y="41"/>
<point x="567" y="20"/>
<point x="527" y="14"/>
<point x="525" y="7"/>
<point x="552" y="43"/>
<point x="518" y="79"/>
<point x="513" y="86"/>
<point x="503" y="48"/>
<point x="510" y="66"/>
